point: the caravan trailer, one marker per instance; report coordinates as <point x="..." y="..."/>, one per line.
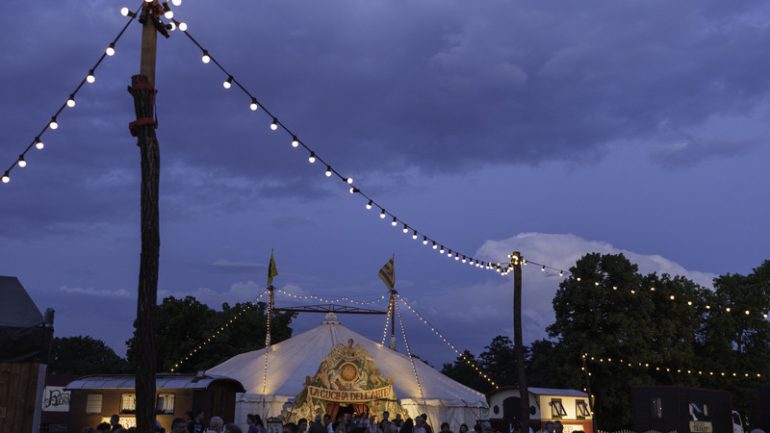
<point x="568" y="406"/>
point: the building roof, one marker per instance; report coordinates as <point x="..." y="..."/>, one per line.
<point x="162" y="381"/>
<point x="291" y="361"/>
<point x="543" y="391"/>
<point x="17" y="309"/>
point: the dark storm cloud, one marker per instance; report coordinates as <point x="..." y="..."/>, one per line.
<point x="375" y="87"/>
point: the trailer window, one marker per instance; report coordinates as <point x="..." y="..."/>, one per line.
<point x="94" y="404"/>
<point x="165" y="404"/>
<point x="557" y="409"/>
<point x="581" y="409"/>
<point x="128" y="403"/>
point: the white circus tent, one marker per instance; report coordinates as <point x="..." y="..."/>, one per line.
<point x="274" y="376"/>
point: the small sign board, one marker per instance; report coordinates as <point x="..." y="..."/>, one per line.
<point x="56" y="399"/>
<point x="701" y="427"/>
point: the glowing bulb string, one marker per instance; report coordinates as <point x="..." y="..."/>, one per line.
<point x="348" y="299"/>
<point x="53" y="123"/>
<point x="200" y="346"/>
<point x="668" y="369"/>
<point x="330" y="171"/>
<point x="449" y="344"/>
<point x="408" y="351"/>
<point x="652" y="289"/>
<point x="387" y="323"/>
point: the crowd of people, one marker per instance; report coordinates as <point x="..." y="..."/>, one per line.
<point x="345" y="423"/>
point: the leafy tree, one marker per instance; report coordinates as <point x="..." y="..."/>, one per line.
<point x="499" y="361"/>
<point x="460" y="371"/>
<point x="80" y="356"/>
<point x="182" y="324"/>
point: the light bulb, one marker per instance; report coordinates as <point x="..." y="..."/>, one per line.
<point x="124" y="11"/>
<point x="441" y="250"/>
<point x="205" y="58"/>
<point x="176" y="2"/>
<point x="449" y="253"/>
<point x="183" y="27"/>
<point x="71" y="101"/>
<point x="22" y="163"/>
<point x="311" y="158"/>
<point x="53" y="124"/>
<point x="464" y="260"/>
<point x="542" y="269"/>
<point x="394" y="222"/>
<point x="425" y="240"/>
<point x="169" y="14"/>
<point x="369" y="205"/>
<point x="294" y="141"/>
<point x="353" y="190"/>
<point x="228" y="82"/>
<point x="39" y="144"/>
<point x="6" y="178"/>
<point x="414" y="234"/>
<point x="349" y="181"/>
<point x="253" y="104"/>
<point x="561" y="273"/>
<point x="405" y="229"/>
<point x="382" y="214"/>
<point x="171" y="26"/>
<point x="434" y="245"/>
<point x="274" y="126"/>
<point x="90" y="78"/>
<point x="328" y="171"/>
<point x="110" y="51"/>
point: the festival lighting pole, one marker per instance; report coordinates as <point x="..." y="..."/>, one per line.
<point x="143" y="128"/>
<point x="518" y="342"/>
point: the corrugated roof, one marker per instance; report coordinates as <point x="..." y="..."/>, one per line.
<point x="556" y="391"/>
<point x="162" y="381"/>
<point x="17" y="309"/>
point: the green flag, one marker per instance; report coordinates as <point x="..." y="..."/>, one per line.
<point x="272" y="271"/>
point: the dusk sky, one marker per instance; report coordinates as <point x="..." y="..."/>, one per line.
<point x="555" y="128"/>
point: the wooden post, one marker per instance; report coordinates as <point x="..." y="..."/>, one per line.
<point x="392" y="308"/>
<point x="518" y="342"/>
<point x="143" y="90"/>
<point x="588" y="391"/>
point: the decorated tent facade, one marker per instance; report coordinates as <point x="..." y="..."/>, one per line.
<point x="331" y="365"/>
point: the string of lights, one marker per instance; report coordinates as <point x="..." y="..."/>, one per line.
<point x="213" y="336"/>
<point x="619" y="362"/>
<point x="314" y="158"/>
<point x="449" y="344"/>
<point x="268" y="346"/>
<point x="387" y="322"/>
<point x="408" y="351"/>
<point x="70" y="102"/>
<point x="347" y="299"/>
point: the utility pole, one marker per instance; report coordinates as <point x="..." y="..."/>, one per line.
<point x="518" y="342"/>
<point x="143" y="128"/>
<point x="392" y="311"/>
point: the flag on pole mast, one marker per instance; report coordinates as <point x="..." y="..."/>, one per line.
<point x="272" y="270"/>
<point x="388" y="274"/>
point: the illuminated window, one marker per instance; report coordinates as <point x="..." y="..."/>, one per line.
<point x="581" y="409"/>
<point x="165" y="404"/>
<point x="557" y="409"/>
<point x="128" y="403"/>
<point x="94" y="404"/>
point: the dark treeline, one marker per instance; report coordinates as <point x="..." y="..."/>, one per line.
<point x="644" y="326"/>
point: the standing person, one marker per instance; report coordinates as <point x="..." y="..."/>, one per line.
<point x="302" y="425"/>
<point x="372" y="427"/>
<point x="178" y="425"/>
<point x="428" y="428"/>
<point x="328" y="423"/>
<point x="115" y="423"/>
<point x="385" y="422"/>
<point x="463" y="428"/>
<point x="316" y="426"/>
<point x="196" y="424"/>
<point x="419" y="425"/>
<point x="445" y="427"/>
<point x="407" y="426"/>
<point x="216" y="425"/>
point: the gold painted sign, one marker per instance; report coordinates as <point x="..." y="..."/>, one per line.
<point x="344" y="396"/>
<point x="701" y="427"/>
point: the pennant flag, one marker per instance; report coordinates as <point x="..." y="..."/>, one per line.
<point x="388" y="274"/>
<point x="272" y="271"/>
